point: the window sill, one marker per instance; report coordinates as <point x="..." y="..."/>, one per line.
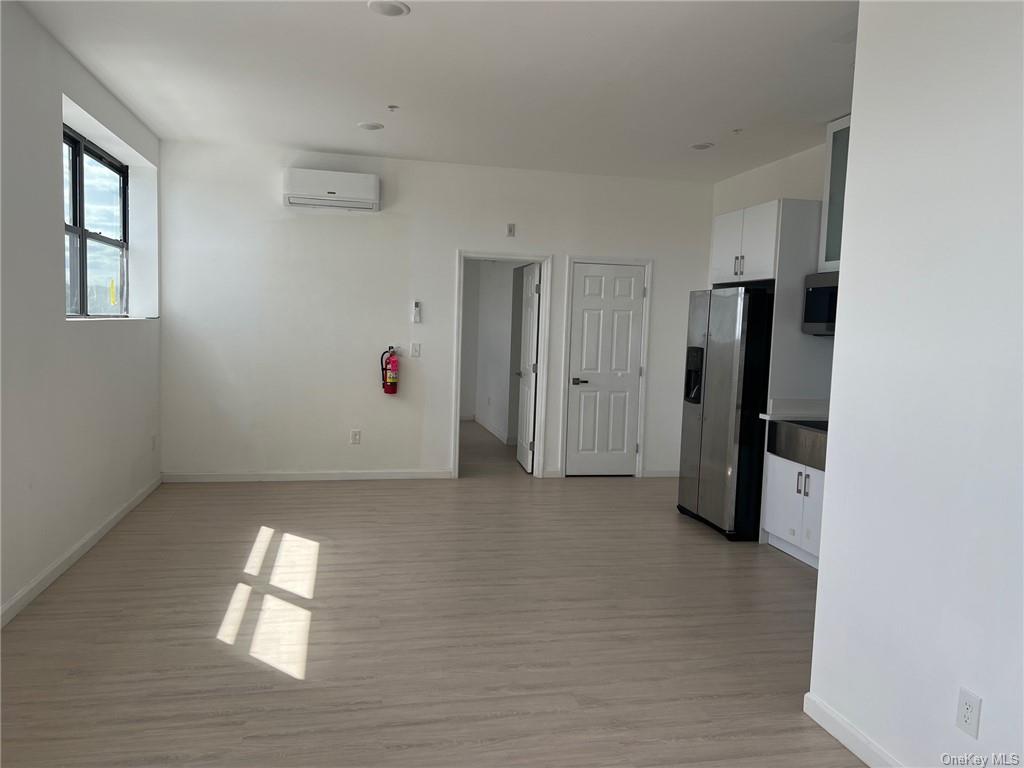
<point x="106" y="319"/>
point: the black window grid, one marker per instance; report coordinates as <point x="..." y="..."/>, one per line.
<point x="80" y="147"/>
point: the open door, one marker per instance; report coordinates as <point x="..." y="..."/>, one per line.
<point x="527" y="372"/>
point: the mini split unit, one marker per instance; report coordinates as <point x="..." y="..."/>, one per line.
<point x="304" y="188"/>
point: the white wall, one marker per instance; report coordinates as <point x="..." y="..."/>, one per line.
<point x="274" y="318"/>
<point x="800" y="176"/>
<point x="80" y="398"/>
<point x="471" y="322"/>
<point x="920" y="585"/>
<point x="494" y="347"/>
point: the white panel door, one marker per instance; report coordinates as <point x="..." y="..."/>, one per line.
<point x="782" y="506"/>
<point x="726" y="239"/>
<point x="604" y="369"/>
<point x="760" y="232"/>
<point x="814" y="481"/>
<point x="528" y="368"/>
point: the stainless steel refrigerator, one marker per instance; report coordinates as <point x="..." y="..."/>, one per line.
<point x="725" y="389"/>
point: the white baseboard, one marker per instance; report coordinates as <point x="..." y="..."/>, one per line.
<point x="847" y="734"/>
<point x="276" y="477"/>
<point x="28" y="593"/>
<point x="499" y="433"/>
<point x="793" y="550"/>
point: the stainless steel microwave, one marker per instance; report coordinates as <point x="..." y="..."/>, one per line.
<point x="821" y="294"/>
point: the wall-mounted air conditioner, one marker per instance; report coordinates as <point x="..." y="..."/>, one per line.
<point x="307" y="188"/>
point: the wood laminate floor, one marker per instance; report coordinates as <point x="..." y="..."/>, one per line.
<point x="497" y="620"/>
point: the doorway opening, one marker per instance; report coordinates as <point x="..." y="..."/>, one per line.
<point x="503" y="304"/>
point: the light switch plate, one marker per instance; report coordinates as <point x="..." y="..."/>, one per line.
<point x="415" y="349"/>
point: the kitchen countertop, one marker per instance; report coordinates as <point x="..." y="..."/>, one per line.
<point x="795" y="416"/>
<point x="795" y="409"/>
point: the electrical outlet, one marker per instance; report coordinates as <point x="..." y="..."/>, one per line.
<point x="355" y="436"/>
<point x="415" y="349"/>
<point x="968" y="712"/>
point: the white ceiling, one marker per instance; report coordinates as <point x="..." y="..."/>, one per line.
<point x="619" y="88"/>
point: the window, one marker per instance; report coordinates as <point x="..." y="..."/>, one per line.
<point x="95" y="230"/>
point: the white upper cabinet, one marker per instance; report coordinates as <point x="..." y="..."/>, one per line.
<point x="745" y="244"/>
<point x="760" y="239"/>
<point x="726" y="241"/>
<point x="837" y="144"/>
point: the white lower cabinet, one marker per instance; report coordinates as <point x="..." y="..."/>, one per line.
<point x="814" y="482"/>
<point x="782" y="507"/>
<point x="791" y="506"/>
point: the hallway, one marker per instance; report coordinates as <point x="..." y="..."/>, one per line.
<point x="481" y="454"/>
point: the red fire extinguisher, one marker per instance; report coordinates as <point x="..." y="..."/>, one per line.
<point x="389" y="371"/>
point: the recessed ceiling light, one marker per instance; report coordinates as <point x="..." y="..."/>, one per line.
<point x="703" y="145"/>
<point x="370" y="126"/>
<point x="389" y="7"/>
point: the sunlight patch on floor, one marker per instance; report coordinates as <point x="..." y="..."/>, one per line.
<point x="280" y="638"/>
<point x="295" y="566"/>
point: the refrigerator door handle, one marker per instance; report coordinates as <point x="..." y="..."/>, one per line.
<point x="799" y="480"/>
<point x="736" y="265"/>
<point x="807" y="484"/>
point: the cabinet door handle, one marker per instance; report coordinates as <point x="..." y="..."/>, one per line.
<point x="743" y="260"/>
<point x="807" y="485"/>
<point x="799" y="479"/>
<point x="736" y="265"/>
